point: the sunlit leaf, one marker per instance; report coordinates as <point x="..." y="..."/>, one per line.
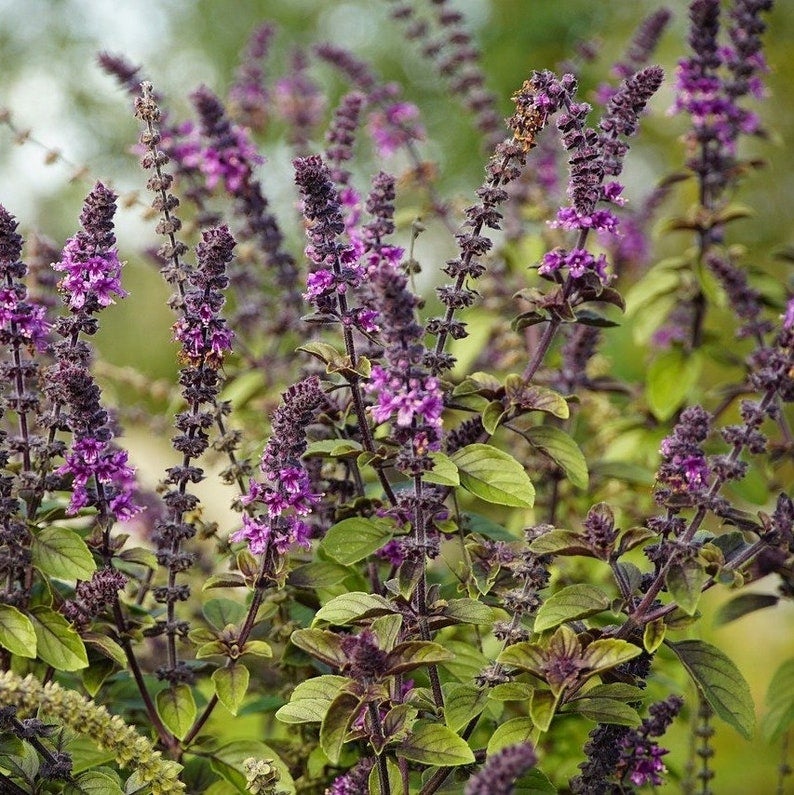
<point x="494" y="476"/>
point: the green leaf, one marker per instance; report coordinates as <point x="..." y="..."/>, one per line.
<point x="605" y="710"/>
<point x="779" y="716"/>
<point x="535" y="782"/>
<point x="492" y="416"/>
<point x="310" y="699"/>
<point x="494" y="476"/>
<point x="335" y="448"/>
<point x="94" y="782"/>
<point x="542" y="708"/>
<point x="541" y="398"/>
<point x="560" y="542"/>
<point x="742" y="605"/>
<point x="659" y="281"/>
<point x="16" y="632"/>
<point x="140" y="556"/>
<point x="59" y="552"/>
<point x="468" y="611"/>
<point x="414" y="654"/>
<point x="720" y="681"/>
<point x="618" y="690"/>
<point x="653" y="635"/>
<point x="462" y="702"/>
<point x="106" y="646"/>
<point x="228" y="579"/>
<point x="528" y="656"/>
<point x="562" y="449"/>
<point x="511" y="732"/>
<point x="685" y="583"/>
<point x="606" y="653"/>
<point x="231" y="685"/>
<point x="443" y="473"/>
<point x="336" y="723"/>
<point x="320" y="574"/>
<point x="258" y="648"/>
<point x="351" y="607"/>
<point x="435" y="745"/>
<point x="323" y="351"/>
<point x="95" y="675"/>
<point x="354" y="539"/>
<point x="177" y="709"/>
<point x="395" y="778"/>
<point x="57" y="643"/>
<point x="670" y="378"/>
<point x="321" y="644"/>
<point x="222" y="612"/>
<point x="568" y="604"/>
<point x="511" y="691"/>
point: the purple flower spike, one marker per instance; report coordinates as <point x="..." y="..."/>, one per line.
<point x="273" y="521"/>
<point x="500" y="772"/>
<point x="90" y="259"/>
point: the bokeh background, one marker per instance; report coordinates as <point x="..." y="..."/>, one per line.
<point x="61" y="102"/>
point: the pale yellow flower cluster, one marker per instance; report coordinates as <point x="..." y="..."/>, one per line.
<point x="69" y="708"/>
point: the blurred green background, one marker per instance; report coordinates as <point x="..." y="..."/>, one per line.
<point x="51" y="85"/>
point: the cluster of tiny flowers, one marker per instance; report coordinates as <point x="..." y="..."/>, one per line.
<point x="404" y="390"/>
<point x="394" y="126"/>
<point x="641" y="757"/>
<point x="354" y="782"/>
<point x="90" y="259"/>
<point x="22" y="321"/>
<point x="91" y="596"/>
<point x="107" y="732"/>
<point x="288" y="495"/>
<point x="299" y="101"/>
<point x="643" y="44"/>
<point x="499" y="775"/>
<point x="595" y="154"/>
<point x="337" y="267"/>
<point x="708" y="96"/>
<point x="684" y="469"/>
<point x="94" y="275"/>
<point x="204" y="335"/>
<point x="248" y="96"/>
<point x="228" y="159"/>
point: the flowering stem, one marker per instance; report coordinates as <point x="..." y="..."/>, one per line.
<point x="245" y="631"/>
<point x="377" y="728"/>
<point x="638" y="617"/>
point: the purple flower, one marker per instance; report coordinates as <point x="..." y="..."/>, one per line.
<point x="354" y="782"/>
<point x="228" y="156"/>
<point x="90" y="259"/>
<point x="499" y="775"/>
<point x="788" y="315"/>
<point x="299" y="101"/>
<point x="272" y="522"/>
<point x="395" y="126"/>
<point x="248" y="95"/>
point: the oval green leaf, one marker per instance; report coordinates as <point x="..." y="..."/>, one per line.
<point x="57" y="643"/>
<point x="720" y="681"/>
<point x="670" y="378"/>
<point x="60" y="552"/>
<point x="494" y="476"/>
<point x="177" y="709"/>
<point x="443" y="473"/>
<point x="568" y="604"/>
<point x="511" y="732"/>
<point x="435" y="745"/>
<point x="354" y="606"/>
<point x="561" y="449"/>
<point x="17" y="634"/>
<point x="354" y="539"/>
<point x="231" y="685"/>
